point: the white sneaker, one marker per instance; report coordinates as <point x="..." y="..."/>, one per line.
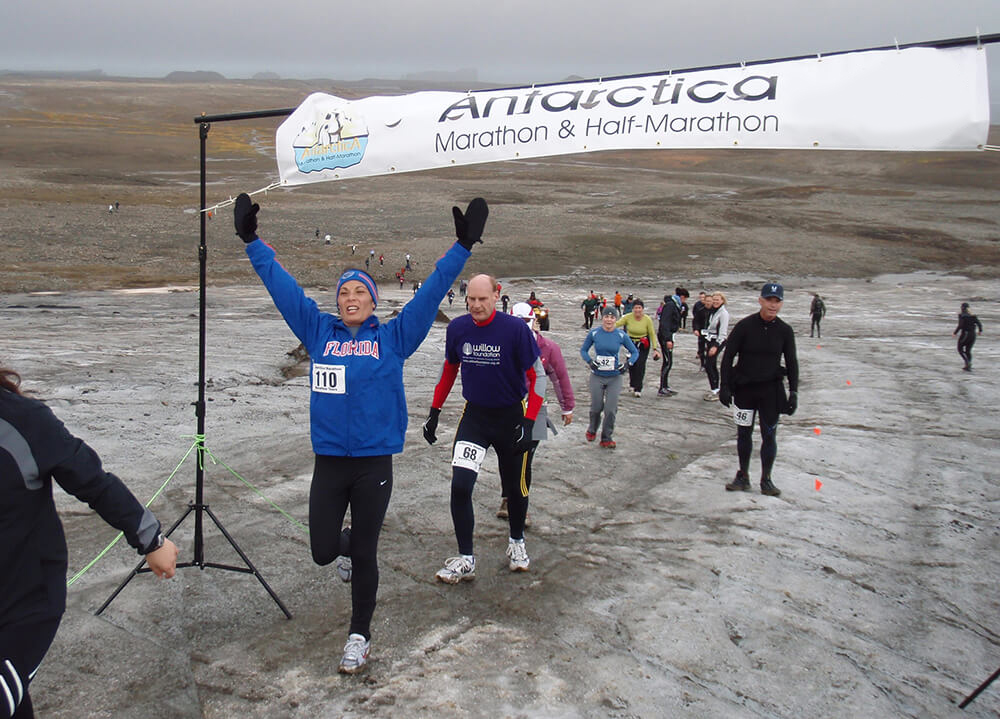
<point x="710" y="397"/>
<point x="457" y="569"/>
<point x="518" y="555"/>
<point x="638" y="393"/>
<point x="345" y="568"/>
<point x="355" y="654"/>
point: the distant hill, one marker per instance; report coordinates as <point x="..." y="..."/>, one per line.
<point x="195" y="76"/>
<point x="466" y="74"/>
<point x="69" y="74"/>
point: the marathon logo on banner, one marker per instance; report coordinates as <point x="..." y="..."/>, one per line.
<point x="910" y="99"/>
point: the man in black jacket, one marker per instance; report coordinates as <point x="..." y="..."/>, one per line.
<point x="36" y="450"/>
<point x="755" y="384"/>
<point x="670" y="322"/>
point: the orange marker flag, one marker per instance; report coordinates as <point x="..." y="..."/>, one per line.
<point x="848" y="383"/>
<point x="819" y="485"/>
<point x="816" y="430"/>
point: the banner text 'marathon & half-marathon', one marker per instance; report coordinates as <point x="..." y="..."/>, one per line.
<point x="666" y="92"/>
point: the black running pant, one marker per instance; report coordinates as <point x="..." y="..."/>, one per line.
<point x="22" y="647"/>
<point x="965" y="342"/>
<point x="668" y="363"/>
<point x="529" y="456"/>
<point x="764" y="399"/>
<point x="815" y="325"/>
<point x="479" y="429"/>
<point x="637" y="372"/>
<point x="712" y="368"/>
<point x="364" y="484"/>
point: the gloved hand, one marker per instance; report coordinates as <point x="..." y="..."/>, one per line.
<point x="594" y="366"/>
<point x="523" y="440"/>
<point x="624" y="368"/>
<point x="245" y="218"/>
<point x="469" y="227"/>
<point x="725" y="396"/>
<point x="793" y="402"/>
<point x="431" y="425"/>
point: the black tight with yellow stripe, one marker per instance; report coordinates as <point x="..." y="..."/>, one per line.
<point x="497" y="428"/>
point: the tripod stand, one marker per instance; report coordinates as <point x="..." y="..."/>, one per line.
<point x="198" y="508"/>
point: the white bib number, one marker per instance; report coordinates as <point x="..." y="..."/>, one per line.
<point x="468" y="456"/>
<point x="329" y="378"/>
<point x="605" y="363"/>
<point x="743" y="417"/>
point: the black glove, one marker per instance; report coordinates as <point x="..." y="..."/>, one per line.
<point x="793" y="403"/>
<point x="469" y="227"/>
<point x="523" y="439"/>
<point x="594" y="366"/>
<point x="725" y="396"/>
<point x="624" y="368"/>
<point x="431" y="425"/>
<point x="245" y="218"/>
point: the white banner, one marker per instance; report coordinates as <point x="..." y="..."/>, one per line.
<point x="909" y="99"/>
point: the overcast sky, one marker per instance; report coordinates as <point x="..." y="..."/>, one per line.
<point x="506" y="41"/>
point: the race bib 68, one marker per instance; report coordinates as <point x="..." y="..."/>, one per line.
<point x="468" y="456"/>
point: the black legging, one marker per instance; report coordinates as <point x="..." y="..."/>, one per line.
<point x="364" y="484"/>
<point x="815" y="325"/>
<point x="763" y="398"/>
<point x="530" y="455"/>
<point x="668" y="362"/>
<point x="712" y="368"/>
<point x="637" y="372"/>
<point x="965" y="342"/>
<point x="768" y="447"/>
<point x="489" y="427"/>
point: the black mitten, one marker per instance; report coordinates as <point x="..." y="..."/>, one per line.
<point x="245" y="218"/>
<point x="725" y="396"/>
<point x="469" y="227"/>
<point x="524" y="432"/>
<point x="431" y="425"/>
<point x="793" y="403"/>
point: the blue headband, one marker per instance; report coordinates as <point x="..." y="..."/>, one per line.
<point x="362" y="277"/>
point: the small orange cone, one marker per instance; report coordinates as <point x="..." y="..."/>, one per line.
<point x="819" y="485"/>
<point x="816" y="430"/>
<point x="848" y="383"/>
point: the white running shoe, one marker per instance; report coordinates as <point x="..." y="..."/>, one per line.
<point x="518" y="555"/>
<point x="355" y="654"/>
<point x="345" y="568"/>
<point x="457" y="569"/>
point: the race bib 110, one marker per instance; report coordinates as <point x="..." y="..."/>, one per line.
<point x="329" y="378"/>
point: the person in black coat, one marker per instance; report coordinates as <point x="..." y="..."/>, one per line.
<point x="35" y="450"/>
<point x="671" y="319"/>
<point x="966" y="331"/>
